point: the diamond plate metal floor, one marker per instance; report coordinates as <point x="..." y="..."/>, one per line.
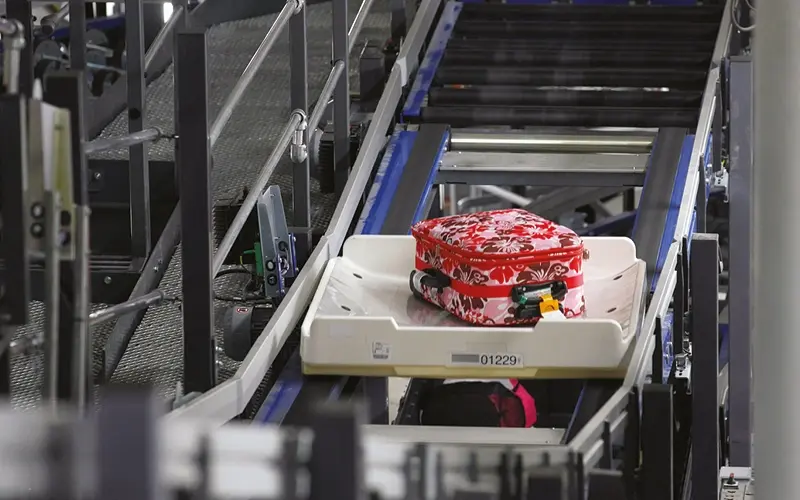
<point x="155" y="352"/>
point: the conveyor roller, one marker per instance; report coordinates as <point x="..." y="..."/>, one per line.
<point x="524" y="96"/>
<point x="567" y="77"/>
<point x="585" y="30"/>
<point x="656" y="47"/>
<point x="463" y="116"/>
<point x="629" y="13"/>
<point x="525" y="142"/>
<point x="577" y="58"/>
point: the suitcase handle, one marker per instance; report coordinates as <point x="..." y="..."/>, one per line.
<point x="536" y="300"/>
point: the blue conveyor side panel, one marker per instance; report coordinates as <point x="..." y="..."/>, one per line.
<point x="433" y="56"/>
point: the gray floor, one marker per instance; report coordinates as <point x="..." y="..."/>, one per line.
<point x="154" y="354"/>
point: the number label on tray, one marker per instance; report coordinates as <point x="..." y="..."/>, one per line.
<point x="495" y="359"/>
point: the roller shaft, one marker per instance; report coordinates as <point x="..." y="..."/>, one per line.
<point x="466" y="140"/>
<point x="558" y="77"/>
<point x="524" y="96"/>
<point x="561" y="117"/>
<point x="488" y="11"/>
<point x="585" y="30"/>
<point x="576" y="58"/>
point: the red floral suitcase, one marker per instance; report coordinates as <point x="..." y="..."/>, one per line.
<point x="502" y="267"/>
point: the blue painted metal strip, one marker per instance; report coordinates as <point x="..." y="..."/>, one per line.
<point x="615" y="223"/>
<point x="433" y="56"/>
<point x="283" y="394"/>
<point x="385" y="184"/>
<point x="666" y="340"/>
<point x="675" y="205"/>
<point x="100" y="23"/>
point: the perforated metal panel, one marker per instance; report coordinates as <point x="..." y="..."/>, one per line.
<point x="155" y="352"/>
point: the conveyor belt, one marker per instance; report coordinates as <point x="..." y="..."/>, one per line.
<point x="574" y="66"/>
<point x="154" y="354"/>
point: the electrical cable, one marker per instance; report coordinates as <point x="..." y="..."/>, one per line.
<point x="250" y="295"/>
<point x="735" y="21"/>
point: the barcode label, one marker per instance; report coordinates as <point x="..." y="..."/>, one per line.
<point x="487" y="359"/>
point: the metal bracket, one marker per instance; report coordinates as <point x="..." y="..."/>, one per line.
<point x="299" y="6"/>
<point x="720" y="182"/>
<point x="277" y="244"/>
<point x="299" y="149"/>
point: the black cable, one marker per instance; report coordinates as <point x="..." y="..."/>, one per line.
<point x="247" y="297"/>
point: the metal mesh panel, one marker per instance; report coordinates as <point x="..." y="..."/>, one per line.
<point x="155" y="351"/>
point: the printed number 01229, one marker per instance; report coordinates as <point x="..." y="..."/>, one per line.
<point x="485" y="359"/>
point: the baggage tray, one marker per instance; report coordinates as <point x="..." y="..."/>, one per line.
<point x="364" y="321"/>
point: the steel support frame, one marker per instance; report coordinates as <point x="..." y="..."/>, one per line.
<point x="21" y="11"/>
<point x="301" y="173"/>
<point x="705" y="434"/>
<point x="68" y="90"/>
<point x="14" y="306"/>
<point x="128" y="461"/>
<point x="138" y="164"/>
<point x="341" y="97"/>
<point x="193" y="154"/>
<point x="656" y="437"/>
<point x="740" y="290"/>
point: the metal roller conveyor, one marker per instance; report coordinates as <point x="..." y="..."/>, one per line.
<point x="576" y="58"/>
<point x="566" y="77"/>
<point x="521" y="142"/>
<point x="585" y="30"/>
<point x="567" y="169"/>
<point x="523" y="96"/>
<point x="654" y="47"/>
<point x="490" y="11"/>
<point x="477" y="116"/>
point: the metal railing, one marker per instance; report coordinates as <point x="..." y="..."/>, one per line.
<point x="294" y="135"/>
<point x="229" y="399"/>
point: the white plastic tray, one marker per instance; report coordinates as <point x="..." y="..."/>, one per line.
<point x="364" y="321"/>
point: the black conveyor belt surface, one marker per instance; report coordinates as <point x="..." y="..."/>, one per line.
<point x="567" y="77"/>
<point x="573" y="65"/>
<point x="627" y="13"/>
<point x="577" y="58"/>
<point x="497" y="95"/>
<point x="650" y="46"/>
<point x="538" y="30"/>
<point x="465" y="116"/>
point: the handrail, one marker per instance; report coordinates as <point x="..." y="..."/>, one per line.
<point x="237" y="390"/>
<point x="358" y="24"/>
<point x="13" y="36"/>
<point x="291" y="8"/>
<point x="296" y="121"/>
<point x="156" y="297"/>
<point x="325" y="94"/>
<point x="111" y="143"/>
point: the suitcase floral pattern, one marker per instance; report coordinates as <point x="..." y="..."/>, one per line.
<point x="485" y="255"/>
